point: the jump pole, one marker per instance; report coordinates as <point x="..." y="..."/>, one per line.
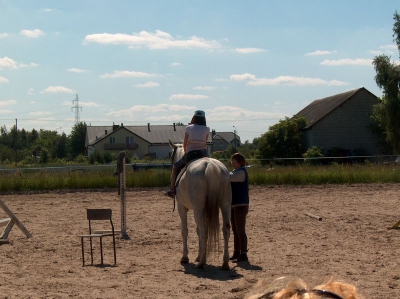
<point x="314" y="216"/>
<point x="122" y="193"/>
<point x="121" y="173"/>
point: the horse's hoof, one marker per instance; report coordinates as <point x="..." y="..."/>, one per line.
<point x="184" y="260"/>
<point x="199" y="266"/>
<point x="225" y="267"/>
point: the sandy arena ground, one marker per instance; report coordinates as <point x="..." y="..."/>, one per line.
<point x="351" y="242"/>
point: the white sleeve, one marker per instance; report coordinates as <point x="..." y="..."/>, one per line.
<point x="238" y="176"/>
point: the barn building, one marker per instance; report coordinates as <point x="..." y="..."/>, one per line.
<point x="342" y="121"/>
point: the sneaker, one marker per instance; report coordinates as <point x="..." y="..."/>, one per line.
<point x="170" y="193"/>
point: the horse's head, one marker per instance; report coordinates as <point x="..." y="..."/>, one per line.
<point x="178" y="151"/>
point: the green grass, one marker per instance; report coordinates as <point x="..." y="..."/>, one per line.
<point x="43" y="179"/>
<point x="321" y="175"/>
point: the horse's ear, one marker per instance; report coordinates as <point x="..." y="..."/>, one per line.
<point x="171" y="143"/>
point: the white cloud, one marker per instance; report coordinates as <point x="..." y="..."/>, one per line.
<point x="224" y="113"/>
<point x="84" y="104"/>
<point x="4" y="111"/>
<point x="242" y="77"/>
<point x="358" y="61"/>
<point x="30" y="91"/>
<point x="7" y="103"/>
<point x="374" y="52"/>
<point x="3" y="35"/>
<point x="221" y="80"/>
<point x="42" y="120"/>
<point x="176" y="64"/>
<point x="3" y="80"/>
<point x="388" y="47"/>
<point x="76" y="70"/>
<point x="319" y="53"/>
<point x="204" y="88"/>
<point x="148" y="85"/>
<point x="182" y="96"/>
<point x="47" y="9"/>
<point x="147" y="112"/>
<point x="153" y="41"/>
<point x="39" y="113"/>
<point x="89" y="104"/>
<point x="295" y="81"/>
<point x="32" y="64"/>
<point x="32" y="33"/>
<point x="249" y="50"/>
<point x="57" y="89"/>
<point x="127" y="74"/>
<point x="7" y="63"/>
<point x="284" y="80"/>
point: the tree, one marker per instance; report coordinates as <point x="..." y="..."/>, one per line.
<point x="33" y="135"/>
<point x="24" y="139"/>
<point x="387" y="111"/>
<point x="283" y="140"/>
<point x="4" y="135"/>
<point x="77" y="138"/>
<point x="61" y="148"/>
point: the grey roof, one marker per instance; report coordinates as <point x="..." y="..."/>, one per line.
<point x="322" y="107"/>
<point x="158" y="134"/>
<point x="227" y="136"/>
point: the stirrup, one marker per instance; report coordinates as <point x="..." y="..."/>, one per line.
<point x="170" y="193"/>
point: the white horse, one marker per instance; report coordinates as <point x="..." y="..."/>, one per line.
<point x="204" y="188"/>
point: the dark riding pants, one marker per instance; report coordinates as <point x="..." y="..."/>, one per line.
<point x="238" y="222"/>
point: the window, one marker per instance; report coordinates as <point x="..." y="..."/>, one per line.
<point x="112" y="140"/>
<point x="129" y="140"/>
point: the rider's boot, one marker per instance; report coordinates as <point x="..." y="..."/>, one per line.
<point x="171" y="192"/>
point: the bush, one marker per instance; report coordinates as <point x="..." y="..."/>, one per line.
<point x="44" y="156"/>
<point x="80" y="159"/>
<point x="107" y="157"/>
<point x="313" y="152"/>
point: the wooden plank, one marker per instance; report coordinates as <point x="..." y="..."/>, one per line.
<point x="4" y="241"/>
<point x="15" y="220"/>
<point x="7" y="230"/>
<point x="4" y="222"/>
<point x="395" y="226"/>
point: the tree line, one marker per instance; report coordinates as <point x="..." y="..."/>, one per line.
<point x="41" y="146"/>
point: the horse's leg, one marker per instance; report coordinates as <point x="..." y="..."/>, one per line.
<point x="184" y="230"/>
<point x="198" y="253"/>
<point x="202" y="257"/>
<point x="226" y="227"/>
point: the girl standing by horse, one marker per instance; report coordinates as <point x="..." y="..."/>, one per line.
<point x="194" y="145"/>
<point x="240" y="207"/>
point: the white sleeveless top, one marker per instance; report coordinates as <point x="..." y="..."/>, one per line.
<point x="197" y="137"/>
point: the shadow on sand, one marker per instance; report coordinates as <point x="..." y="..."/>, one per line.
<point x="247" y="266"/>
<point x="211" y="272"/>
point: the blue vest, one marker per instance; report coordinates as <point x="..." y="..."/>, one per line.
<point x="240" y="190"/>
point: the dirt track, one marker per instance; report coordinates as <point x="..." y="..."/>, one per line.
<point x="351" y="242"/>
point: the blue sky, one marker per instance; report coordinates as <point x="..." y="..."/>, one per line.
<point x="247" y="64"/>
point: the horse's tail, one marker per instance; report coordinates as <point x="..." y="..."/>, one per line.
<point x="215" y="178"/>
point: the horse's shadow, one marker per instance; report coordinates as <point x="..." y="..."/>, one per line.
<point x="211" y="272"/>
<point x="247" y="266"/>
